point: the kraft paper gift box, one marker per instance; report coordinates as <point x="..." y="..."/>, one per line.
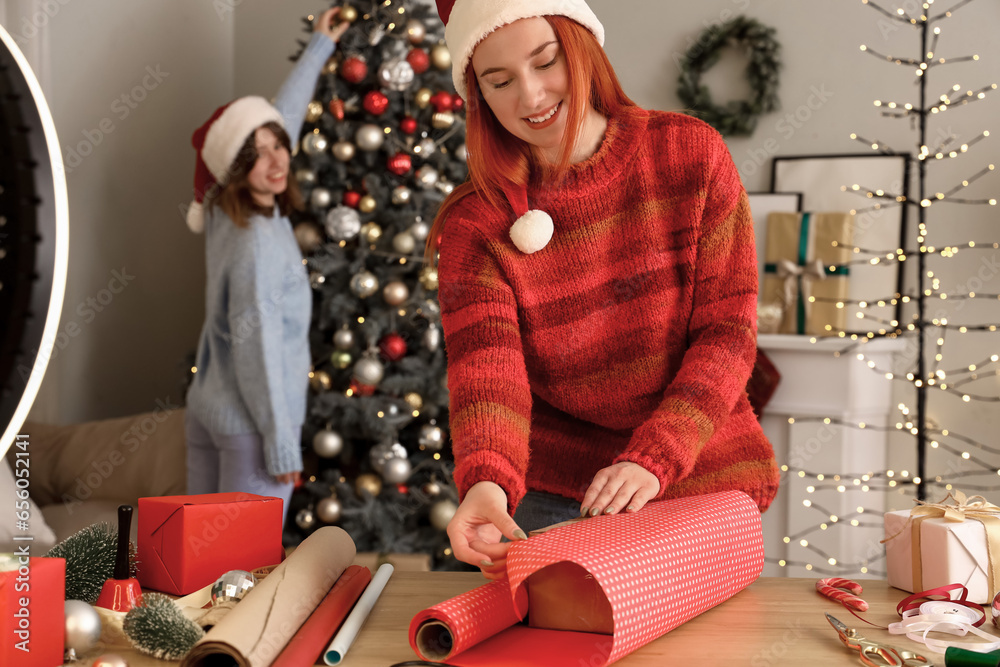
<point x="947" y="552"/>
<point x="187" y="542"/>
<point x="32" y="611"/>
<point x="806" y="255"/>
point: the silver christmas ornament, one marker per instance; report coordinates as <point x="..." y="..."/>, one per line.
<point x="364" y="284"/>
<point x="462" y="153"/>
<point x="396" y="293"/>
<point x="432" y="338"/>
<point x="232" y="586"/>
<point x="431" y="437"/>
<point x="320" y="198"/>
<point x="380" y="454"/>
<point x="305" y="519"/>
<point x="329" y="510"/>
<point x="445" y="187"/>
<point x="109" y="660"/>
<point x="427" y="176"/>
<point x="343" y="223"/>
<point x="425" y="148"/>
<point x="83" y="626"/>
<point x="396" y="471"/>
<point x="420" y="230"/>
<point x="431" y="489"/>
<point x="368" y="371"/>
<point x="369" y="137"/>
<point x="395" y="74"/>
<point x="442" y="513"/>
<point x="416" y="31"/>
<point x="401" y="195"/>
<point x="328" y="443"/>
<point x="316" y="279"/>
<point x="315" y="143"/>
<point x="431" y="308"/>
<point x="343" y="151"/>
<point x="305" y="176"/>
<point x="343" y="339"/>
<point x="404" y="243"/>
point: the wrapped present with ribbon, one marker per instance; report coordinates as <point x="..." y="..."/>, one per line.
<point x="955" y="541"/>
<point x="805" y="270"/>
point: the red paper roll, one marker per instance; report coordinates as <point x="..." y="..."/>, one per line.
<point x="659" y="567"/>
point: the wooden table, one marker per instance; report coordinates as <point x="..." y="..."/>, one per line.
<point x="776" y="621"/>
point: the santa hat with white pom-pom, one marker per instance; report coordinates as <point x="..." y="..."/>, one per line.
<point x="467" y="23"/>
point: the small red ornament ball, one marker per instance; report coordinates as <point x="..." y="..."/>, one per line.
<point x="408" y="125"/>
<point x="403" y="489"/>
<point x="392" y="346"/>
<point x="419" y="60"/>
<point x="362" y="389"/>
<point x="337" y="108"/>
<point x="376" y="103"/>
<point x="399" y="164"/>
<point x="457" y="103"/>
<point x="442" y="101"/>
<point x="351" y="198"/>
<point x="354" y="70"/>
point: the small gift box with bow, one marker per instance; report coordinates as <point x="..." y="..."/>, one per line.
<point x="806" y="272"/>
<point x="956" y="541"/>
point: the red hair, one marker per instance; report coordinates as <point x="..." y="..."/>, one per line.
<point x="496" y="158"/>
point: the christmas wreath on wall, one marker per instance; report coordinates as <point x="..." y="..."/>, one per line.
<point x="739" y="116"/>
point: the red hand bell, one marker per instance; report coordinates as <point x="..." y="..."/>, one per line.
<point x="121" y="593"/>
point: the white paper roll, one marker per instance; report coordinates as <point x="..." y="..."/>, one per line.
<point x="342" y="641"/>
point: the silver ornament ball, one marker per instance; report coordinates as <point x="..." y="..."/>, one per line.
<point x="432" y="338"/>
<point x="379" y="455"/>
<point x="329" y="510"/>
<point x="396" y="74"/>
<point x="305" y="519"/>
<point x="315" y="143"/>
<point x="425" y="148"/>
<point x="396" y="471"/>
<point x="343" y="339"/>
<point x="369" y="137"/>
<point x="364" y="284"/>
<point x="396" y="293"/>
<point x="369" y="371"/>
<point x="328" y="443"/>
<point x="401" y="195"/>
<point x="232" y="586"/>
<point x="416" y="31"/>
<point x="404" y="243"/>
<point x="320" y="198"/>
<point x="83" y="626"/>
<point x="462" y="153"/>
<point x="343" y="151"/>
<point x="442" y="513"/>
<point x="431" y="437"/>
<point x="420" y="230"/>
<point x="427" y="176"/>
<point x="305" y="176"/>
<point x="343" y="223"/>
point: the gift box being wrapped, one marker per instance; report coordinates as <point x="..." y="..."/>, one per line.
<point x="187" y="542"/>
<point x="805" y="270"/>
<point x="945" y="543"/>
<point x="32" y="604"/>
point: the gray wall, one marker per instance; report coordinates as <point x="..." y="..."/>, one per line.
<point x="124" y="195"/>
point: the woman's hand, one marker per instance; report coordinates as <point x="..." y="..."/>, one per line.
<point x="289" y="477"/>
<point x="478" y="525"/>
<point x="325" y="25"/>
<point x="624" y="486"/>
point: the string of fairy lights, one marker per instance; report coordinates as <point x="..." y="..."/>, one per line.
<point x="968" y="459"/>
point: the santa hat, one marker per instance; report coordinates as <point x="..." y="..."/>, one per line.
<point x="468" y="22"/>
<point x="218" y="142"/>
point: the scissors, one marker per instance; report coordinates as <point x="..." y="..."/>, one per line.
<point x="875" y="654"/>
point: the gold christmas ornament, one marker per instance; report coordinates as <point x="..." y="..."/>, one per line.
<point x="371" y="232"/>
<point x="401" y="195"/>
<point x="329" y="509"/>
<point x="315" y="143"/>
<point x="341" y="359"/>
<point x="414" y="400"/>
<point x="442" y="513"/>
<point x="332" y="65"/>
<point x="308" y="236"/>
<point x="368" y="482"/>
<point x="343" y="339"/>
<point x="432" y="489"/>
<point x="343" y="150"/>
<point x="441" y="56"/>
<point x="416" y="31"/>
<point x="367" y="205"/>
<point x="404" y="243"/>
<point x="321" y="381"/>
<point x="396" y="293"/>
<point x="313" y="111"/>
<point x="422" y="98"/>
<point x="348" y="13"/>
<point x="429" y="278"/>
<point x="442" y="120"/>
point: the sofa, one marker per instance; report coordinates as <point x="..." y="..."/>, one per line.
<point x="79" y="474"/>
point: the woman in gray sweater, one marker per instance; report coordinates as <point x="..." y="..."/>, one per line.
<point x="247" y="402"/>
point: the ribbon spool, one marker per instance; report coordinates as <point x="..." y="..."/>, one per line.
<point x="943" y="616"/>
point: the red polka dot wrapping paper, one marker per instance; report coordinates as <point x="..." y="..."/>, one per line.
<point x="659" y="568"/>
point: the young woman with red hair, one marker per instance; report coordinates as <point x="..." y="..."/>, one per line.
<point x="599" y="346"/>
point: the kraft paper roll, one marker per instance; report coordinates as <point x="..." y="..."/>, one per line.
<point x="658" y="568"/>
<point x="254" y="633"/>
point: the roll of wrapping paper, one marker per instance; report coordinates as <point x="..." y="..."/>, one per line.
<point x="659" y="567"/>
<point x="307" y="645"/>
<point x="254" y="633"/>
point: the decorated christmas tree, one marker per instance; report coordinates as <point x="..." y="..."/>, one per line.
<point x="384" y="143"/>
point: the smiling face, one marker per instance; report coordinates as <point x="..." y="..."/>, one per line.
<point x="522" y="73"/>
<point x="269" y="175"/>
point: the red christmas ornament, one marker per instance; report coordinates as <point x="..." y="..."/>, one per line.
<point x="354" y="70"/>
<point x="403" y="489"/>
<point x="351" y="198"/>
<point x="419" y="60"/>
<point x="337" y="108"/>
<point x="376" y="103"/>
<point x="392" y="346"/>
<point x="362" y="389"/>
<point x="457" y="103"/>
<point x="399" y="164"/>
<point x="408" y="125"/>
<point x="442" y="101"/>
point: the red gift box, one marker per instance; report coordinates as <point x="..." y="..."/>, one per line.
<point x="187" y="542"/>
<point x="32" y="612"/>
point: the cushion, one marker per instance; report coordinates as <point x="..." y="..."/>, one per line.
<point x="44" y="538"/>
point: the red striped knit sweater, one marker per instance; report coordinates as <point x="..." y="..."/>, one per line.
<point x="629" y="337"/>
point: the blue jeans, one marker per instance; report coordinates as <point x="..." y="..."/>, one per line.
<point x="226" y="463"/>
<point x="539" y="509"/>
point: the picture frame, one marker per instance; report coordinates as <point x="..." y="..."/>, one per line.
<point x="827" y="185"/>
<point x="762" y="204"/>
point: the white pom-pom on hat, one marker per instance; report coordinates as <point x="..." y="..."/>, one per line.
<point x="532" y="231"/>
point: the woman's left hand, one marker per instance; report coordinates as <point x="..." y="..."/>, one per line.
<point x="325" y="24"/>
<point x="624" y="486"/>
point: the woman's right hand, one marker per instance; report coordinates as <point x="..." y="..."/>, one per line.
<point x="324" y="24"/>
<point x="479" y="523"/>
